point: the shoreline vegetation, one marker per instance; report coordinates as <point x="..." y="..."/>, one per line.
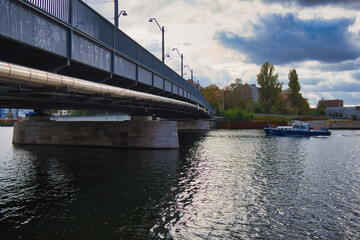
<point x="7" y="122"/>
<point x="239" y="101"/>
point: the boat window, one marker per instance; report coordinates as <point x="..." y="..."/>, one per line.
<point x="303" y="126"/>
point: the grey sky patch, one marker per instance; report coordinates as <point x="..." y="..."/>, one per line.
<point x="356" y="75"/>
<point x="349" y="4"/>
<point x="283" y="39"/>
<point x="340" y="86"/>
<point x="349" y="65"/>
<point x="310" y="81"/>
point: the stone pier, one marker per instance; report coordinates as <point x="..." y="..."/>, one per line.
<point x="193" y="125"/>
<point x="126" y="134"/>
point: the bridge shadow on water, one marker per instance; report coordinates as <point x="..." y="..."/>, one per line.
<point x="59" y="192"/>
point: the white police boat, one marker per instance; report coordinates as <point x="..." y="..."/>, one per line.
<point x="297" y="129"/>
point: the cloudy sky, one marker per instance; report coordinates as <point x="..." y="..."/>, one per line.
<point x="227" y="39"/>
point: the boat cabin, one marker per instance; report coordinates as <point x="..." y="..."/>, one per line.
<point x="301" y="126"/>
<point x="283" y="127"/>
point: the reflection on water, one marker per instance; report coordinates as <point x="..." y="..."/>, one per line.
<point x="223" y="184"/>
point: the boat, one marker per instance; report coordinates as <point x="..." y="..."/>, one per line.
<point x="297" y="129"/>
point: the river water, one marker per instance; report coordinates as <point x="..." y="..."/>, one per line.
<point x="223" y="184"/>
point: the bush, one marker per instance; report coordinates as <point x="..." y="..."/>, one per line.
<point x="238" y="114"/>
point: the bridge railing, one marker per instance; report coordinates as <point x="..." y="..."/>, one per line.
<point x="111" y="44"/>
<point x="58" y="8"/>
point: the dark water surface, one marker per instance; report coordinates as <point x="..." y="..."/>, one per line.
<point x="224" y="184"/>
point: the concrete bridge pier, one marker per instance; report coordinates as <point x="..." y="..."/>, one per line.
<point x="138" y="133"/>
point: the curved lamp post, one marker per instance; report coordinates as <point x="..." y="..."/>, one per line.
<point x="163" y="44"/>
<point x="117" y="14"/>
<point x="182" y="61"/>
<point x="192" y="74"/>
<point x="166" y="55"/>
<point x="198" y="84"/>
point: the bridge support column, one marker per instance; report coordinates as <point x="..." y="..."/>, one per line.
<point x="193" y="125"/>
<point x="127" y="134"/>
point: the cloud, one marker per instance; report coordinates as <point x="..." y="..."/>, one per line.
<point x="336" y="87"/>
<point x="310" y="81"/>
<point x="350" y="65"/>
<point x="356" y="75"/>
<point x="350" y="4"/>
<point x="281" y="39"/>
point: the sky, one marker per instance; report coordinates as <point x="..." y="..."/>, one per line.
<point x="222" y="40"/>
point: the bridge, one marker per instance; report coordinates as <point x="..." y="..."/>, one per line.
<point x="64" y="55"/>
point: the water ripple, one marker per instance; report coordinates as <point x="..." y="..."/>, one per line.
<point x="224" y="184"/>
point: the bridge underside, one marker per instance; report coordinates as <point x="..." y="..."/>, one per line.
<point x="45" y="99"/>
<point x="73" y="40"/>
<point x="18" y="96"/>
<point x="18" y="53"/>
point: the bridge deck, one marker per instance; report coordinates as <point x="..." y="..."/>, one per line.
<point x="70" y="38"/>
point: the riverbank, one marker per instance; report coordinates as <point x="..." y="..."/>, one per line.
<point x="260" y="125"/>
<point x="334" y="124"/>
<point x="246" y="125"/>
<point x="6" y="123"/>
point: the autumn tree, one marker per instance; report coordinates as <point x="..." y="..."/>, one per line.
<point x="213" y="95"/>
<point x="233" y="94"/>
<point x="237" y="95"/>
<point x="270" y="86"/>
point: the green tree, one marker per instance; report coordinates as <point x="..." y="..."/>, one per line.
<point x="320" y="110"/>
<point x="270" y="87"/>
<point x="298" y="103"/>
<point x="304" y="107"/>
<point x="293" y="91"/>
<point x="83" y="112"/>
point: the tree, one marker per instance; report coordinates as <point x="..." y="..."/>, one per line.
<point x="213" y="95"/>
<point x="304" y="107"/>
<point x="270" y="86"/>
<point x="320" y="110"/>
<point x="294" y="89"/>
<point x="236" y="95"/>
<point x="298" y="103"/>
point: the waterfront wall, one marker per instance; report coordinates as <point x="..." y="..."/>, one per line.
<point x="108" y="118"/>
<point x="246" y="125"/>
<point x="128" y="134"/>
<point x="335" y="124"/>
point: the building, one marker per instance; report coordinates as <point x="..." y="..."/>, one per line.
<point x="351" y="113"/>
<point x="284" y="94"/>
<point x="254" y="92"/>
<point x="331" y="103"/>
<point x="14" y="113"/>
<point x="194" y="84"/>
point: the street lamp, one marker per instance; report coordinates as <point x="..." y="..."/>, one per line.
<point x="166" y="55"/>
<point x="163" y="44"/>
<point x="182" y="61"/>
<point x="117" y="14"/>
<point x="198" y="84"/>
<point x="192" y="74"/>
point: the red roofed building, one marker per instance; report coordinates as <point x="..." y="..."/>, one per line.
<point x="331" y="103"/>
<point x="194" y="84"/>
